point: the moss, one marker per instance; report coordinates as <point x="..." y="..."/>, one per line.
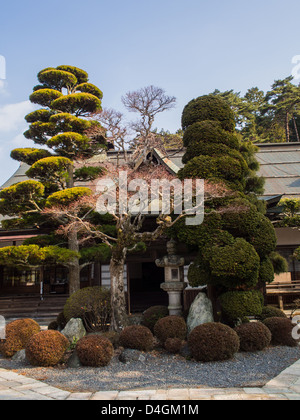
<point x="206" y="108"/>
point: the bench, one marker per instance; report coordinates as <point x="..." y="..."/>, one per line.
<point x="281" y="290"/>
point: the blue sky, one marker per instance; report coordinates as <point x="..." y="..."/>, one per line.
<point x="187" y="47"/>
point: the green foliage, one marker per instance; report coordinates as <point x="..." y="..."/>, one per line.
<point x="26" y="256"/>
<point x="237" y="305"/>
<point x="53" y="170"/>
<point x="57" y="79"/>
<point x="208" y="108"/>
<point x="154" y="314"/>
<point x="81" y="75"/>
<point x="66" y="197"/>
<point x="80" y="104"/>
<point x="90" y="88"/>
<point x="65" y="123"/>
<point x="227" y="168"/>
<point x="87" y="173"/>
<point x="209" y="132"/>
<point x="68" y="144"/>
<point x="19" y="198"/>
<point x="92" y="305"/>
<point x="45" y="97"/>
<point x="98" y="253"/>
<point x="29" y="155"/>
<point x="266" y="271"/>
<point x="271" y="312"/>
<point x="279" y="263"/>
<point x="41" y="115"/>
<point x="234" y="265"/>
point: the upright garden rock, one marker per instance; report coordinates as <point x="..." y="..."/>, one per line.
<point x="201" y="312"/>
<point x="74" y="330"/>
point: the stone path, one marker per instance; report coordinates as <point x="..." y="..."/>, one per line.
<point x="285" y="387"/>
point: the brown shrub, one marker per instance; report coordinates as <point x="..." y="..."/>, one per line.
<point x="46" y="348"/>
<point x="173" y="345"/>
<point x="18" y="333"/>
<point x="170" y="327"/>
<point x="154" y="314"/>
<point x="281" y="330"/>
<point x="254" y="336"/>
<point x="94" y="351"/>
<point x="213" y="342"/>
<point x="137" y="337"/>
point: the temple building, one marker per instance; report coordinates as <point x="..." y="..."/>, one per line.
<point x="144" y="275"/>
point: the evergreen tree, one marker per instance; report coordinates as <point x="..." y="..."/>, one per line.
<point x="60" y="126"/>
<point x="236" y="239"/>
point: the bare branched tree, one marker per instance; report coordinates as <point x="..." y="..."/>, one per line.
<point x="117" y="130"/>
<point x="148" y="102"/>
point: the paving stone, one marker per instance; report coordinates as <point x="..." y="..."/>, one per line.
<point x="80" y="396"/>
<point x="105" y="396"/>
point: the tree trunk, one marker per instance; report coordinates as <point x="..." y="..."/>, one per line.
<point x="287" y="127"/>
<point x="70" y="182"/>
<point x="296" y="129"/>
<point x="74" y="267"/>
<point x="119" y="316"/>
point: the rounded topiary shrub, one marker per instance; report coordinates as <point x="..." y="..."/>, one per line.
<point x="209" y="107"/>
<point x="271" y="312"/>
<point x="237" y="305"/>
<point x="173" y="345"/>
<point x="170" y="327"/>
<point x="18" y="333"/>
<point x="46" y="348"/>
<point x="92" y="305"/>
<point x="137" y="337"/>
<point x="153" y="314"/>
<point x="95" y="351"/>
<point x="254" y="336"/>
<point x="213" y="342"/>
<point x="281" y="330"/>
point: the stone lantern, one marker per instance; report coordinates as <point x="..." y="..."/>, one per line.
<point x="174" y="277"/>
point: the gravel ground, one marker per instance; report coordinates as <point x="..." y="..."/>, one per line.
<point x="162" y="371"/>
